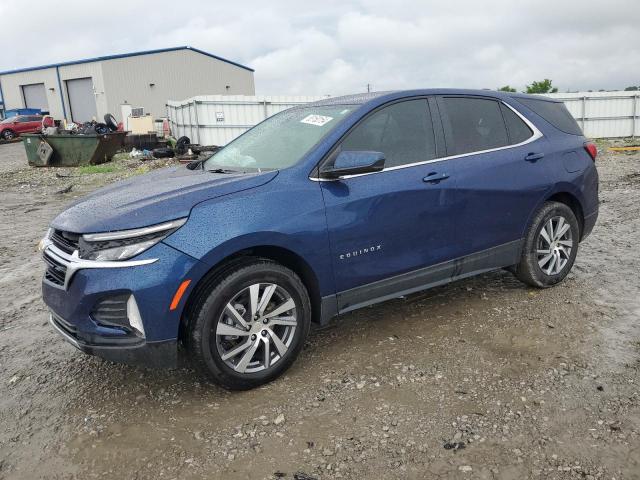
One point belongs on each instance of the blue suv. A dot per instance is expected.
(317, 211)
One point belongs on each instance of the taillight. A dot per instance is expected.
(591, 149)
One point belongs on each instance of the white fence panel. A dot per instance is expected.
(604, 114)
(218, 119)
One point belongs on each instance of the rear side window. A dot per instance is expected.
(473, 125)
(516, 128)
(402, 131)
(555, 113)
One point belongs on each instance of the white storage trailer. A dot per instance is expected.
(218, 119)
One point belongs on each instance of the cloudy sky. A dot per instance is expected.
(335, 47)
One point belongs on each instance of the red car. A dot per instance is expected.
(12, 127)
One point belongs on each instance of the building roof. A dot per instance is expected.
(125, 55)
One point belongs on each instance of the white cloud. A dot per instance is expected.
(336, 47)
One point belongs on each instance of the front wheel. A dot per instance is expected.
(550, 246)
(249, 325)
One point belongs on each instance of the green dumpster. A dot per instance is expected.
(73, 150)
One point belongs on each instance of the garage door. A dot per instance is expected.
(81, 99)
(35, 96)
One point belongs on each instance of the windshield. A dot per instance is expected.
(281, 140)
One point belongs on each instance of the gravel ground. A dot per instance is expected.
(483, 378)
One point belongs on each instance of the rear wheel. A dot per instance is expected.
(551, 246)
(249, 326)
(8, 135)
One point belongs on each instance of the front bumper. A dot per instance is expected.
(152, 284)
(162, 354)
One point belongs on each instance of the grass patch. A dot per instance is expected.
(120, 157)
(91, 169)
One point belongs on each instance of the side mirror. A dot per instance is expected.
(354, 163)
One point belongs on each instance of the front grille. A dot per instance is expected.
(65, 241)
(55, 272)
(112, 312)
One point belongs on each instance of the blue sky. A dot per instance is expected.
(336, 47)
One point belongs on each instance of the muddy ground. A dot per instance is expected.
(484, 378)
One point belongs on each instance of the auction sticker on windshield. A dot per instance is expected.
(317, 120)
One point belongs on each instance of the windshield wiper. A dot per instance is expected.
(223, 170)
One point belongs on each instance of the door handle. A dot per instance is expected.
(533, 157)
(435, 177)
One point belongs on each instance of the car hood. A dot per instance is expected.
(152, 198)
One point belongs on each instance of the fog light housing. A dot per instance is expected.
(120, 311)
(133, 314)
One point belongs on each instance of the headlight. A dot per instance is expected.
(43, 243)
(113, 246)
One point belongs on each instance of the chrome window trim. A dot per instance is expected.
(136, 232)
(537, 134)
(73, 262)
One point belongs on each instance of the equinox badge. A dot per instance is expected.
(362, 251)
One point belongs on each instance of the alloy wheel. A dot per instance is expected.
(256, 327)
(554, 245)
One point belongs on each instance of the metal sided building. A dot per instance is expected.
(84, 89)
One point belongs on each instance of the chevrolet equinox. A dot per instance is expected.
(317, 211)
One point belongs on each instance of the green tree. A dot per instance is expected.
(506, 88)
(543, 86)
(631, 89)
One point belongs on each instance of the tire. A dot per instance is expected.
(184, 141)
(111, 122)
(163, 153)
(8, 135)
(545, 263)
(211, 337)
(181, 148)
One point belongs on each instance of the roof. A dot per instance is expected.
(125, 55)
(355, 99)
(381, 97)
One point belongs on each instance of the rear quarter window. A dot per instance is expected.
(517, 129)
(555, 113)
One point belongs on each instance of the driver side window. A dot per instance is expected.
(403, 132)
